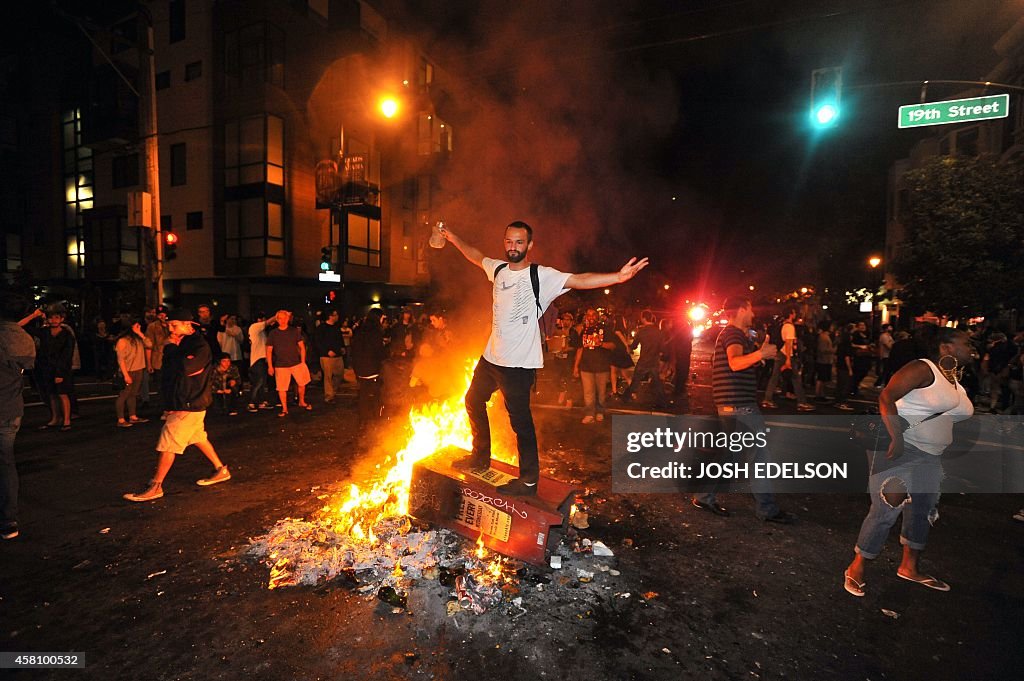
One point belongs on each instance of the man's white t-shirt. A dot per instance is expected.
(515, 332)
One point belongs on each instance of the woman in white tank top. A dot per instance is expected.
(919, 406)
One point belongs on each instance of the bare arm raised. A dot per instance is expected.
(472, 254)
(590, 280)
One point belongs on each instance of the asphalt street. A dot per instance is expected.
(165, 590)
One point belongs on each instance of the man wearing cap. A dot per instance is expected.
(186, 388)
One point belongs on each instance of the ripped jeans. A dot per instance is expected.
(912, 483)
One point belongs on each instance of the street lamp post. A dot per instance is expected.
(873, 262)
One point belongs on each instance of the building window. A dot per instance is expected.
(112, 242)
(254, 151)
(193, 70)
(363, 241)
(255, 228)
(78, 188)
(124, 171)
(163, 80)
(194, 220)
(179, 172)
(254, 54)
(177, 21)
(433, 135)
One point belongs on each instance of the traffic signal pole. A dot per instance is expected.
(147, 111)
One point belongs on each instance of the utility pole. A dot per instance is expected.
(147, 119)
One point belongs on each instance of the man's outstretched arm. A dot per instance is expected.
(473, 255)
(599, 280)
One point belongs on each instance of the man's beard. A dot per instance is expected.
(515, 256)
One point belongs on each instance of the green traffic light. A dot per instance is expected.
(325, 266)
(826, 115)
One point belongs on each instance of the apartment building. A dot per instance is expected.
(272, 148)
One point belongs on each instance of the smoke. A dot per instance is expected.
(552, 127)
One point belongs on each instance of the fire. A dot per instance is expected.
(434, 426)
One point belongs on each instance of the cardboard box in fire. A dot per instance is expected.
(527, 528)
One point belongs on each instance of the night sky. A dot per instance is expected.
(707, 102)
(678, 130)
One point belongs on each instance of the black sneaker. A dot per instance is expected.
(252, 409)
(9, 532)
(517, 488)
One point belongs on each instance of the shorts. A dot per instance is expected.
(181, 429)
(823, 372)
(283, 376)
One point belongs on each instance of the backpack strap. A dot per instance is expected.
(535, 281)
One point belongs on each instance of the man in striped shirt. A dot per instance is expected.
(734, 387)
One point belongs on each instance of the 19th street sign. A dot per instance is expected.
(954, 111)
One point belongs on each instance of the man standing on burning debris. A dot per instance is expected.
(521, 293)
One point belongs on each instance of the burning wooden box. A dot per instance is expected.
(522, 527)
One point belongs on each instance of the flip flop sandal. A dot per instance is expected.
(928, 581)
(852, 586)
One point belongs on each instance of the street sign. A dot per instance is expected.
(330, 276)
(954, 111)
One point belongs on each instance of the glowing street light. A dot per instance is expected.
(751, 287)
(874, 261)
(698, 313)
(607, 291)
(803, 289)
(389, 107)
(667, 287)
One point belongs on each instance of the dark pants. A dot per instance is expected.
(642, 373)
(258, 375)
(369, 398)
(515, 385)
(842, 382)
(8, 473)
(682, 374)
(861, 368)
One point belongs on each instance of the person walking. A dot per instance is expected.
(787, 362)
(520, 293)
(368, 354)
(918, 407)
(650, 341)
(187, 392)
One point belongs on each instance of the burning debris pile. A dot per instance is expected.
(367, 536)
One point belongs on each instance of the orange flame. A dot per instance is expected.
(434, 426)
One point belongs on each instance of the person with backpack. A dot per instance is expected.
(186, 388)
(521, 292)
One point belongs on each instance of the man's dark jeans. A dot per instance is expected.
(258, 376)
(515, 385)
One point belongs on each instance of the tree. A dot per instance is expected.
(964, 244)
